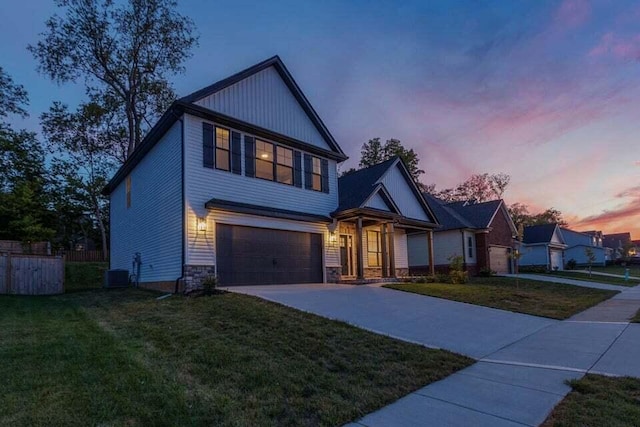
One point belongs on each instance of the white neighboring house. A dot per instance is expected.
(239, 180)
(578, 242)
(543, 245)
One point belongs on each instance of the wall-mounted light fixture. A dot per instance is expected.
(333, 238)
(202, 224)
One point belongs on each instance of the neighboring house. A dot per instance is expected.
(378, 203)
(239, 180)
(578, 242)
(481, 233)
(617, 243)
(543, 245)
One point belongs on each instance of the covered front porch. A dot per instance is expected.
(373, 244)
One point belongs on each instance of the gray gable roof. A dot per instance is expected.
(356, 187)
(478, 214)
(539, 233)
(448, 218)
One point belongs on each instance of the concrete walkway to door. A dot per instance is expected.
(523, 364)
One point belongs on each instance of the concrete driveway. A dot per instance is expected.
(463, 328)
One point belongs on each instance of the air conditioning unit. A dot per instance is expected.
(116, 278)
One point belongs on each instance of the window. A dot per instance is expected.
(128, 191)
(222, 149)
(470, 246)
(316, 174)
(374, 249)
(264, 160)
(284, 166)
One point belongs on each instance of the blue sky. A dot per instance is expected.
(544, 91)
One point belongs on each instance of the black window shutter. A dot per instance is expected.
(297, 169)
(207, 145)
(308, 182)
(249, 156)
(325, 175)
(236, 157)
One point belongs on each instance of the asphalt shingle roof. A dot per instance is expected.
(447, 217)
(478, 214)
(538, 233)
(355, 187)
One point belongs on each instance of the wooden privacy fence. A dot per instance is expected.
(31, 274)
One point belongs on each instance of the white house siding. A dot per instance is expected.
(203, 184)
(534, 255)
(153, 223)
(418, 249)
(445, 245)
(577, 253)
(402, 195)
(263, 99)
(376, 202)
(557, 238)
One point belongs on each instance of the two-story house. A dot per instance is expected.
(239, 180)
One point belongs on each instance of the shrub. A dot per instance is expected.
(441, 278)
(457, 275)
(209, 285)
(571, 264)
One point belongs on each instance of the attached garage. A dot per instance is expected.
(499, 260)
(556, 259)
(262, 256)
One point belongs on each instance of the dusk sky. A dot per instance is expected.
(547, 92)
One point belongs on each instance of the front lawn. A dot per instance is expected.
(121, 357)
(546, 299)
(634, 270)
(597, 400)
(584, 276)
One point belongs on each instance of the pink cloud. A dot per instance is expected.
(623, 218)
(618, 47)
(573, 13)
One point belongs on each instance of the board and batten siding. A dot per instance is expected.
(418, 249)
(263, 99)
(376, 202)
(403, 195)
(203, 184)
(153, 223)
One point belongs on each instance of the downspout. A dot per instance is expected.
(183, 255)
(464, 252)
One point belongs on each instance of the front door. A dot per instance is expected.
(346, 254)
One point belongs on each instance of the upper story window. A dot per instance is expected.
(264, 160)
(128, 185)
(284, 165)
(374, 249)
(470, 246)
(223, 157)
(316, 174)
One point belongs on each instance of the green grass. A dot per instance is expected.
(545, 299)
(83, 275)
(121, 357)
(579, 275)
(634, 270)
(599, 401)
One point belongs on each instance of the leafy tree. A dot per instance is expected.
(81, 142)
(13, 97)
(549, 216)
(374, 152)
(124, 51)
(591, 258)
(520, 215)
(478, 187)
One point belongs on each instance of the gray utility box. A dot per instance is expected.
(116, 278)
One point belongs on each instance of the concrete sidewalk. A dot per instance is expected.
(567, 281)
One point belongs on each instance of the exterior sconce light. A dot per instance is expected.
(333, 238)
(202, 224)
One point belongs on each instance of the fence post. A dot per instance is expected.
(8, 274)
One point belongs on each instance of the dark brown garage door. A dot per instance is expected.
(260, 256)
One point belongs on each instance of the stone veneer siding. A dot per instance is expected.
(193, 275)
(333, 274)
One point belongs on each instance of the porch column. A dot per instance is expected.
(392, 254)
(359, 254)
(383, 248)
(432, 267)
